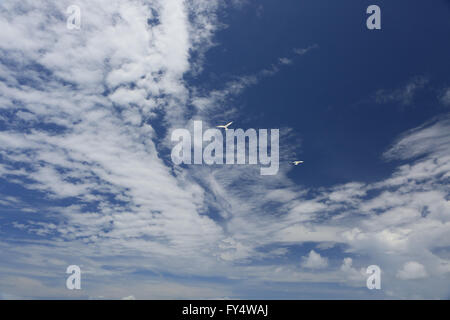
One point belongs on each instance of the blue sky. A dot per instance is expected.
(86, 177)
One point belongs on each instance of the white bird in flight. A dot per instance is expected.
(225, 126)
(296, 163)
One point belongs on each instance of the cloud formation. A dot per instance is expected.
(314, 261)
(85, 117)
(446, 97)
(403, 95)
(412, 270)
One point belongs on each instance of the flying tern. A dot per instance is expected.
(225, 126)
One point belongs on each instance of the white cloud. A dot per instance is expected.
(431, 138)
(303, 51)
(351, 274)
(314, 261)
(105, 152)
(405, 95)
(412, 270)
(102, 88)
(446, 97)
(285, 61)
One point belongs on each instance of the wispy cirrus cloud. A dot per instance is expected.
(445, 98)
(302, 51)
(403, 95)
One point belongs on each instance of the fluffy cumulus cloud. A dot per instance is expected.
(412, 270)
(314, 261)
(85, 116)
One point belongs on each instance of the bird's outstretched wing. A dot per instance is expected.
(225, 126)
